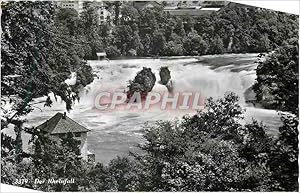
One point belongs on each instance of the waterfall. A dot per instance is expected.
(115, 132)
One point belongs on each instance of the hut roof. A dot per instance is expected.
(60, 123)
(101, 54)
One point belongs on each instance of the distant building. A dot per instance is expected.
(59, 125)
(101, 55)
(102, 11)
(243, 6)
(191, 11)
(145, 4)
(194, 8)
(104, 14)
(77, 5)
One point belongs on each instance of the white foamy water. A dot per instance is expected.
(117, 132)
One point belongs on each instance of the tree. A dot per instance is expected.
(263, 43)
(168, 29)
(125, 174)
(137, 44)
(194, 44)
(284, 157)
(158, 43)
(90, 24)
(188, 23)
(112, 51)
(147, 22)
(173, 49)
(217, 46)
(89, 17)
(277, 78)
(206, 152)
(98, 179)
(124, 39)
(146, 41)
(179, 27)
(36, 59)
(70, 19)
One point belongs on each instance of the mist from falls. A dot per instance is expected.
(117, 132)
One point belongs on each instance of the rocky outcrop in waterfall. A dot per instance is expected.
(165, 75)
(142, 83)
(165, 78)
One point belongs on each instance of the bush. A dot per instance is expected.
(173, 49)
(112, 51)
(132, 52)
(284, 156)
(207, 152)
(277, 78)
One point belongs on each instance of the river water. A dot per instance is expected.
(118, 132)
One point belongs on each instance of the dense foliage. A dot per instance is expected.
(154, 32)
(277, 84)
(36, 59)
(210, 151)
(213, 151)
(277, 87)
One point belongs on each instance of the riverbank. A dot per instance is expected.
(181, 57)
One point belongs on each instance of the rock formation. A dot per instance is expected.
(165, 75)
(142, 83)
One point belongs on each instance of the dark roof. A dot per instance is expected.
(143, 4)
(59, 124)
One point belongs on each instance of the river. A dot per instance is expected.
(118, 132)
